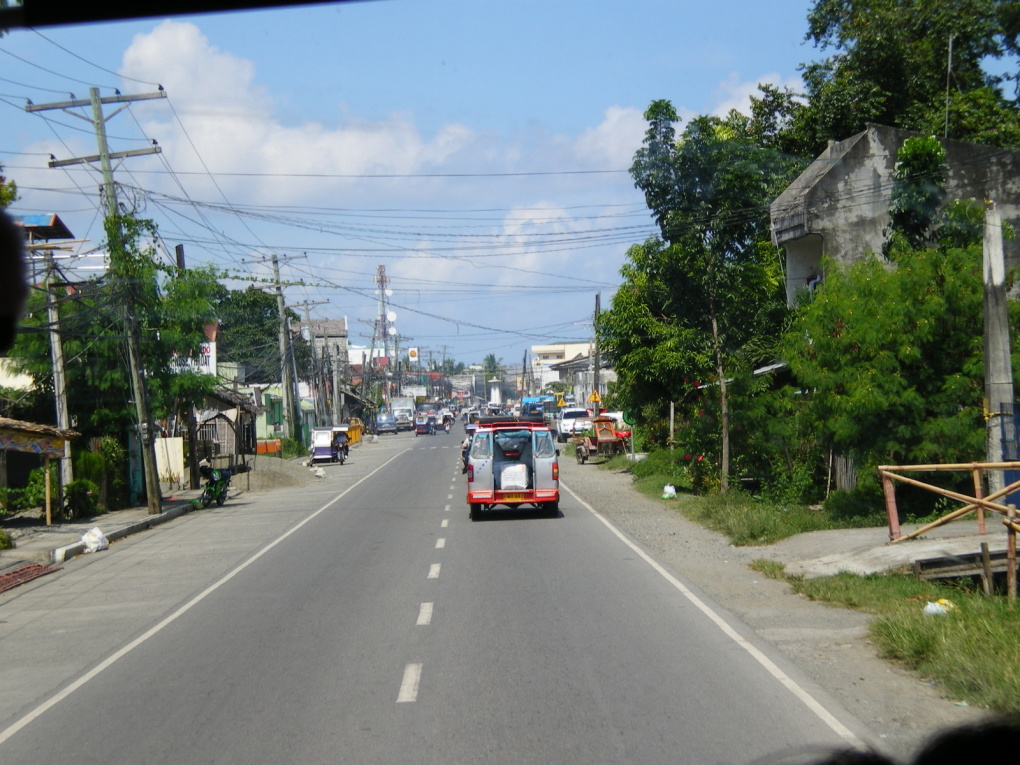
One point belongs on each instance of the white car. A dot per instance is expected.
(571, 419)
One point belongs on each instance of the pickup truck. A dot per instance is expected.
(572, 419)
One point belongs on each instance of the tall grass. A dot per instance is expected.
(972, 651)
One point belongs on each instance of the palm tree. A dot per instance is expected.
(492, 367)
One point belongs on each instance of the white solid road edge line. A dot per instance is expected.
(770, 666)
(409, 685)
(115, 657)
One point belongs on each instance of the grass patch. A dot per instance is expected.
(746, 520)
(771, 569)
(972, 652)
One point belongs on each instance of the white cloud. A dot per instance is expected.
(613, 141)
(734, 93)
(232, 125)
(229, 125)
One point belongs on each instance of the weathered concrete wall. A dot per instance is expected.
(839, 206)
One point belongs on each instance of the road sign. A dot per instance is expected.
(595, 398)
(629, 417)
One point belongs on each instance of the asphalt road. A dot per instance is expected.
(366, 619)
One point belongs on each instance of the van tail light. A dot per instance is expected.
(556, 470)
(471, 473)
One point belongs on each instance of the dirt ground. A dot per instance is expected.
(831, 645)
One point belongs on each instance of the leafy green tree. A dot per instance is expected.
(249, 322)
(8, 191)
(893, 358)
(889, 65)
(704, 299)
(919, 179)
(169, 312)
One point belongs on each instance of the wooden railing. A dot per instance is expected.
(978, 503)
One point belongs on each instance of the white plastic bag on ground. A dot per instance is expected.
(940, 607)
(94, 540)
(669, 491)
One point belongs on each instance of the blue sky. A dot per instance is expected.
(477, 149)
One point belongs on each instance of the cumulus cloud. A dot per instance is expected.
(735, 94)
(614, 140)
(227, 123)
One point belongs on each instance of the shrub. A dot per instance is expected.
(81, 500)
(859, 507)
(6, 543)
(291, 447)
(9, 499)
(34, 495)
(90, 466)
(668, 465)
(115, 488)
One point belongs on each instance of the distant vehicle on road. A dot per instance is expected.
(329, 445)
(572, 420)
(385, 423)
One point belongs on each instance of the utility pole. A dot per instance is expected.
(526, 388)
(285, 368)
(316, 371)
(118, 257)
(1000, 428)
(59, 378)
(598, 361)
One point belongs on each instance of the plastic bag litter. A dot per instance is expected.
(939, 607)
(669, 491)
(94, 540)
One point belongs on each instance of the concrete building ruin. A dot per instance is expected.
(839, 206)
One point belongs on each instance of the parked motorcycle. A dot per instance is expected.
(216, 486)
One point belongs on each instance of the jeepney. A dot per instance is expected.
(512, 463)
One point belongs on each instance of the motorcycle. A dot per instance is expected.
(216, 486)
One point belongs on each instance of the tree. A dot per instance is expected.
(919, 180)
(890, 65)
(709, 294)
(492, 367)
(893, 358)
(171, 308)
(249, 334)
(8, 191)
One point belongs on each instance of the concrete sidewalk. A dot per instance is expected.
(52, 545)
(868, 551)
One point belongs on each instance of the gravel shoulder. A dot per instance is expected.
(829, 644)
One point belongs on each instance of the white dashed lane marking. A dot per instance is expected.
(424, 615)
(434, 571)
(409, 685)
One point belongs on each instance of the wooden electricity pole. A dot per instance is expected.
(118, 257)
